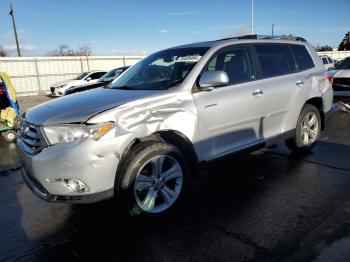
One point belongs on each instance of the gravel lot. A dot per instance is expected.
(26, 102)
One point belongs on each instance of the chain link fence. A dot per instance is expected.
(34, 75)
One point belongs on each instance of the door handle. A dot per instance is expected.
(258, 93)
(300, 83)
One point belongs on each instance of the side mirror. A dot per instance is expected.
(211, 79)
(88, 78)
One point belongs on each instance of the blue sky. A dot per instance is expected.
(140, 26)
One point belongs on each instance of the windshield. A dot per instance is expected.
(111, 75)
(161, 70)
(345, 64)
(81, 76)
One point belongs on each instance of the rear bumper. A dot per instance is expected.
(40, 191)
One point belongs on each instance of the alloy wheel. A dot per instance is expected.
(158, 184)
(309, 128)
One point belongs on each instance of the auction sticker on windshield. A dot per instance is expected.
(189, 58)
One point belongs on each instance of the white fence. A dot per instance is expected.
(336, 54)
(33, 75)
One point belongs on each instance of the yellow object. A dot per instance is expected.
(8, 115)
(11, 90)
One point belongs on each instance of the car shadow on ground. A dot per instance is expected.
(195, 230)
(220, 219)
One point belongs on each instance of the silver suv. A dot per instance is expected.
(142, 137)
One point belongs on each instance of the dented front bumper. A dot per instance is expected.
(92, 162)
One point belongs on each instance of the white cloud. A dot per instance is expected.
(182, 13)
(26, 47)
(163, 30)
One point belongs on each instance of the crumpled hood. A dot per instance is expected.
(79, 107)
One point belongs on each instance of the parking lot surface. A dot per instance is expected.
(269, 205)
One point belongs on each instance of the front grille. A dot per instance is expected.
(341, 84)
(32, 140)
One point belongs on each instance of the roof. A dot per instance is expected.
(238, 38)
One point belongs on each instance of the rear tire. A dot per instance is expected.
(10, 135)
(307, 131)
(151, 179)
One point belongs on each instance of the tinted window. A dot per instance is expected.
(330, 60)
(293, 66)
(302, 56)
(111, 75)
(324, 60)
(81, 76)
(96, 75)
(272, 59)
(235, 62)
(345, 64)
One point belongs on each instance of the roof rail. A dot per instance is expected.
(282, 37)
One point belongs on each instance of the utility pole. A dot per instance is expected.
(14, 29)
(252, 17)
(272, 30)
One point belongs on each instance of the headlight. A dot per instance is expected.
(60, 86)
(70, 133)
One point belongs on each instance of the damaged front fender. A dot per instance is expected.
(142, 118)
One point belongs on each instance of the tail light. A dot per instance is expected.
(330, 79)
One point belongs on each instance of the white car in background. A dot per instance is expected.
(57, 89)
(341, 80)
(328, 63)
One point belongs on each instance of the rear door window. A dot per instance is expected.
(324, 60)
(302, 56)
(273, 60)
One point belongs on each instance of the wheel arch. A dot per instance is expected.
(318, 103)
(177, 139)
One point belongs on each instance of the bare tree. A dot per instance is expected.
(2, 52)
(84, 50)
(65, 50)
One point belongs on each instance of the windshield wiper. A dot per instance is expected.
(121, 87)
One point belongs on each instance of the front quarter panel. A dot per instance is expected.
(173, 110)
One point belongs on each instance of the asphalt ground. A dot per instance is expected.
(269, 205)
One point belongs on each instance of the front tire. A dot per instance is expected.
(152, 178)
(307, 131)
